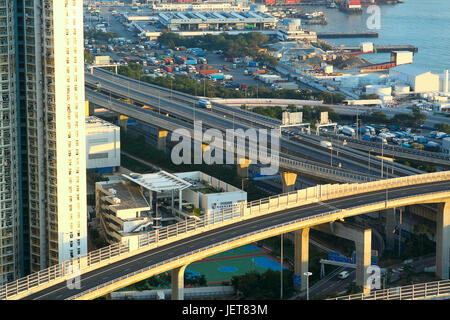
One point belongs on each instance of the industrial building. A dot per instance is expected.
(193, 21)
(133, 204)
(419, 80)
(102, 145)
(291, 30)
(43, 180)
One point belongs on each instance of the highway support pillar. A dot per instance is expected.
(123, 120)
(178, 283)
(242, 167)
(363, 259)
(162, 135)
(390, 227)
(288, 180)
(363, 244)
(443, 240)
(301, 258)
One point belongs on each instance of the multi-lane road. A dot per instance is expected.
(225, 117)
(174, 249)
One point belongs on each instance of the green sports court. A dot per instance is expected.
(222, 267)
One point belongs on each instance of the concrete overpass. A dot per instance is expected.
(436, 290)
(180, 105)
(389, 150)
(176, 246)
(325, 172)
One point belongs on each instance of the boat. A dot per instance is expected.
(351, 7)
(332, 5)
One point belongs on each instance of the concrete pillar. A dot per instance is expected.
(390, 225)
(363, 259)
(162, 134)
(363, 244)
(123, 120)
(242, 167)
(178, 283)
(288, 180)
(301, 257)
(443, 240)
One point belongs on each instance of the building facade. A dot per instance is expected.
(102, 145)
(43, 143)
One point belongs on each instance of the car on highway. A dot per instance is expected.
(343, 275)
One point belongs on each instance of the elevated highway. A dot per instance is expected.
(225, 117)
(325, 172)
(176, 246)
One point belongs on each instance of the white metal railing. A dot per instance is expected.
(420, 291)
(215, 219)
(178, 258)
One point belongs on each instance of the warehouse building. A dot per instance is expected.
(193, 21)
(419, 80)
(102, 145)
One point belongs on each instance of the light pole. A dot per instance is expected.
(307, 274)
(382, 157)
(281, 269)
(371, 150)
(331, 156)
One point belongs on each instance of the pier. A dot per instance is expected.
(334, 35)
(406, 47)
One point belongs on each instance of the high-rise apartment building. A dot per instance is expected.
(42, 144)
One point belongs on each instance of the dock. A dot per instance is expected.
(335, 35)
(406, 47)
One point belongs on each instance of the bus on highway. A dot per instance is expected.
(204, 103)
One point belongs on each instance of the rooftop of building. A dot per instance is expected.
(410, 69)
(159, 181)
(213, 15)
(93, 122)
(129, 195)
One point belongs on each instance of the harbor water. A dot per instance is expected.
(424, 24)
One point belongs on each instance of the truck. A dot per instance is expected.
(420, 139)
(285, 85)
(204, 103)
(202, 60)
(432, 146)
(379, 139)
(326, 144)
(349, 131)
(216, 76)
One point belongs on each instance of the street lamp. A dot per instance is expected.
(307, 274)
(281, 268)
(371, 150)
(331, 156)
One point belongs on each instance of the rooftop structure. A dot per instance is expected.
(205, 20)
(420, 80)
(137, 203)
